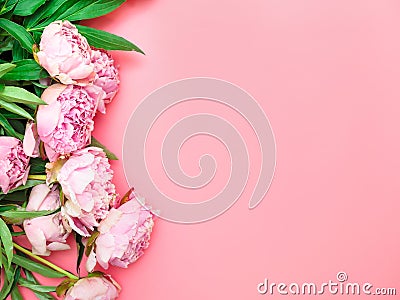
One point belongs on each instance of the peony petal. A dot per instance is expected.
(8, 142)
(80, 179)
(31, 140)
(25, 178)
(113, 217)
(91, 261)
(50, 153)
(81, 72)
(72, 209)
(38, 194)
(36, 238)
(48, 117)
(4, 183)
(104, 249)
(57, 246)
(51, 94)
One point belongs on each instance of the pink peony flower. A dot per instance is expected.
(45, 233)
(123, 235)
(85, 178)
(106, 76)
(65, 54)
(66, 123)
(31, 140)
(14, 164)
(90, 288)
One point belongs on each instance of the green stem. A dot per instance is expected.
(45, 262)
(37, 177)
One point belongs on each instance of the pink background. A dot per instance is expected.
(326, 73)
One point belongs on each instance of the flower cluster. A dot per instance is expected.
(77, 191)
(88, 79)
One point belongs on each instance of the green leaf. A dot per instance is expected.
(39, 295)
(15, 294)
(2, 258)
(8, 283)
(18, 32)
(96, 143)
(43, 296)
(21, 214)
(17, 51)
(4, 68)
(107, 41)
(8, 128)
(44, 11)
(18, 125)
(29, 276)
(6, 240)
(8, 6)
(14, 108)
(39, 91)
(38, 166)
(36, 287)
(27, 7)
(17, 275)
(8, 15)
(18, 197)
(7, 207)
(10, 115)
(26, 69)
(7, 44)
(89, 9)
(20, 95)
(35, 267)
(29, 183)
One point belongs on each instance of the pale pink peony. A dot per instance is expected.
(106, 76)
(14, 164)
(45, 233)
(85, 178)
(65, 54)
(31, 140)
(66, 123)
(93, 288)
(123, 235)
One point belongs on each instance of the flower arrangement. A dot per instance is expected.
(55, 178)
